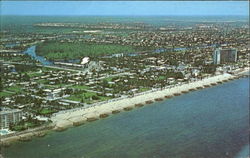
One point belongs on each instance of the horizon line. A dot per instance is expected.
(123, 15)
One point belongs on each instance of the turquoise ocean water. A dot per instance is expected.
(210, 123)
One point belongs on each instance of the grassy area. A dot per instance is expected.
(88, 97)
(16, 59)
(162, 77)
(43, 81)
(15, 89)
(59, 50)
(104, 98)
(34, 74)
(77, 97)
(25, 125)
(25, 68)
(19, 128)
(85, 96)
(60, 85)
(144, 89)
(46, 111)
(48, 69)
(109, 79)
(55, 69)
(5, 94)
(81, 87)
(12, 58)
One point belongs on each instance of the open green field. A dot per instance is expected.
(86, 97)
(5, 94)
(15, 89)
(144, 89)
(109, 79)
(62, 50)
(81, 87)
(161, 77)
(46, 111)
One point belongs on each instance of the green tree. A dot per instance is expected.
(105, 83)
(26, 77)
(1, 84)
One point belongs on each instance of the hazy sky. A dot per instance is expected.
(124, 8)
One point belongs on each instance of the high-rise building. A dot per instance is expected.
(226, 55)
(9, 116)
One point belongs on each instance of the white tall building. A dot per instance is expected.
(9, 116)
(227, 55)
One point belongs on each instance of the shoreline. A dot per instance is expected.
(79, 116)
(68, 118)
(26, 135)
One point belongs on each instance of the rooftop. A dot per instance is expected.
(8, 111)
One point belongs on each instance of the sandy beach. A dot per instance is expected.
(78, 116)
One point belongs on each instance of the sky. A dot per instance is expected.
(124, 8)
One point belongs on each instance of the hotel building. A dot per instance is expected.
(8, 116)
(222, 56)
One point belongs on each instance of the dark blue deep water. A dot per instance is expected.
(210, 123)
